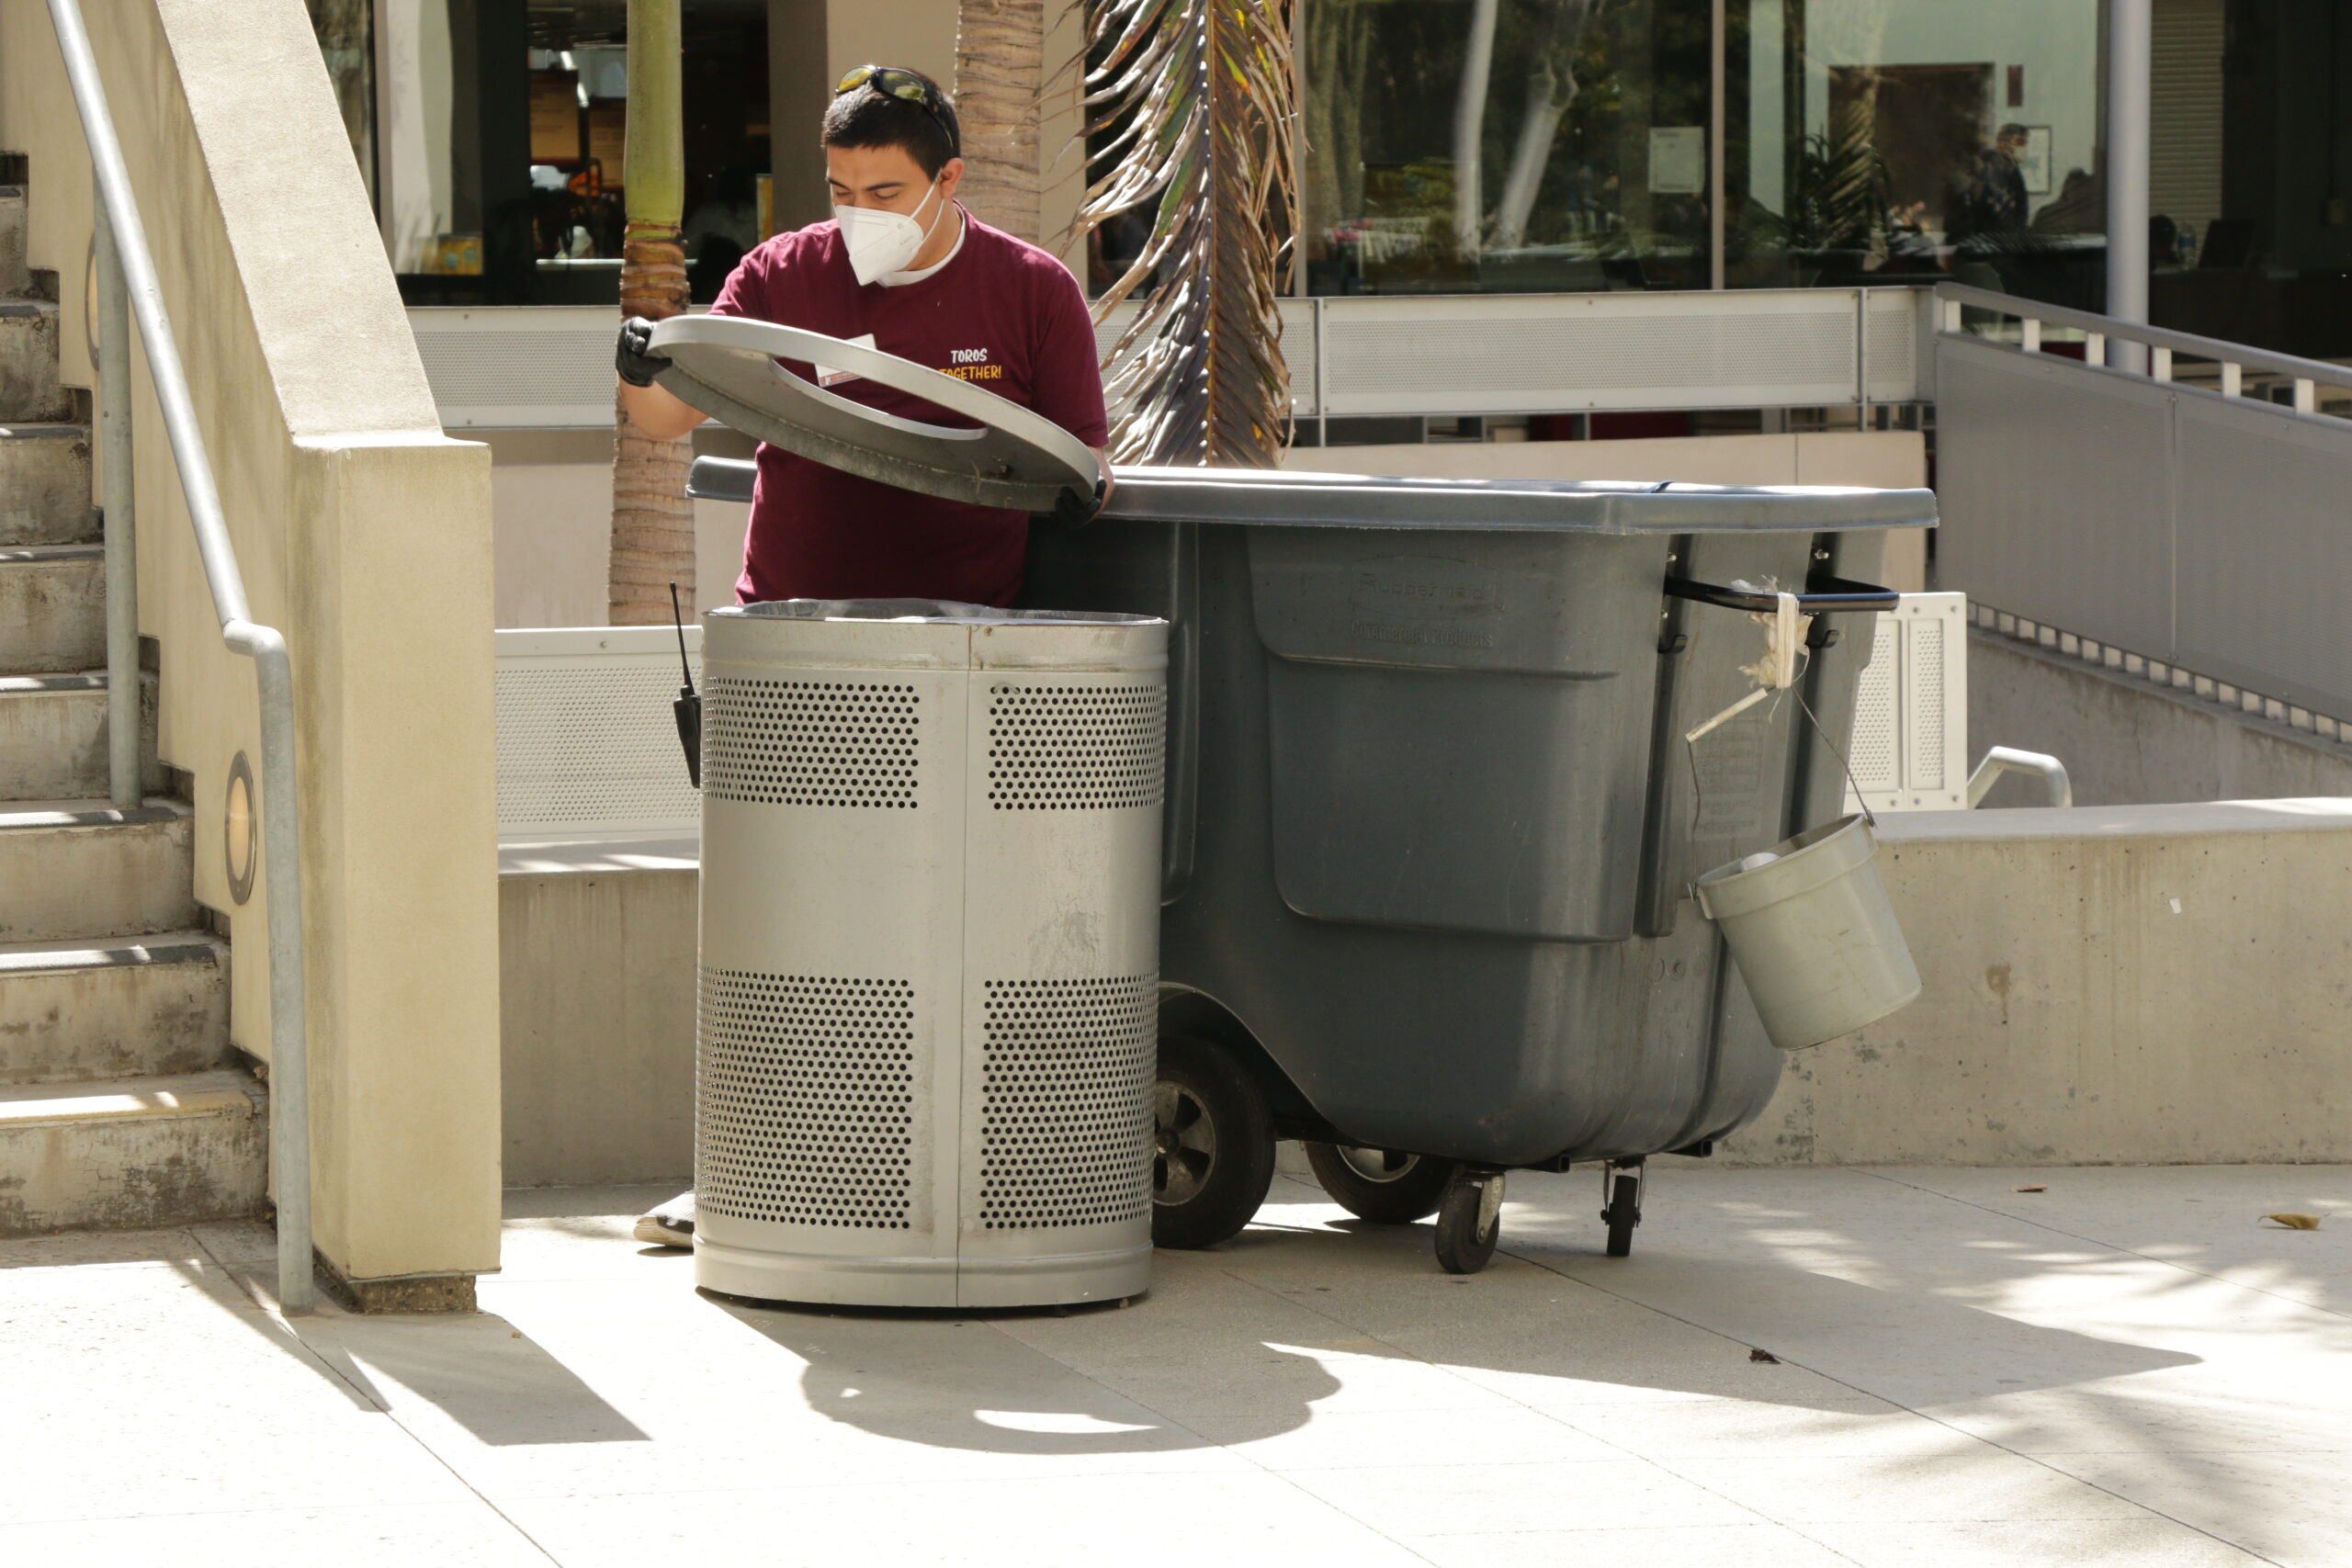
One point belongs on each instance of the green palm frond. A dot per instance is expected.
(1193, 103)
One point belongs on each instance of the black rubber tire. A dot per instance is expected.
(1208, 1185)
(1412, 1194)
(1624, 1213)
(1460, 1248)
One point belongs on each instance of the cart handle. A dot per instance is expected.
(1823, 596)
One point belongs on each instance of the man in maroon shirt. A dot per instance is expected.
(905, 269)
(901, 269)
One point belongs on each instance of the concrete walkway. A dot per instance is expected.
(2126, 1369)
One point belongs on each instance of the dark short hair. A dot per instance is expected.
(865, 117)
(2011, 130)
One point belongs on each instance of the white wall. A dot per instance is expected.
(362, 534)
(552, 496)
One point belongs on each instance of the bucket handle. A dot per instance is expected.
(1868, 815)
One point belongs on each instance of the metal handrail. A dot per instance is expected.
(2056, 786)
(2233, 357)
(128, 289)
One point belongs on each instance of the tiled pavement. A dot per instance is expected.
(2128, 1369)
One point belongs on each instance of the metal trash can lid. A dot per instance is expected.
(931, 634)
(942, 612)
(726, 366)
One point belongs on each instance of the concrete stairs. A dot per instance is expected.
(122, 1102)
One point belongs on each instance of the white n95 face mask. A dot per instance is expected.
(883, 242)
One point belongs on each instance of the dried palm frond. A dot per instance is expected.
(1195, 104)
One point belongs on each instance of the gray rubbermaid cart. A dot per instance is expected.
(1431, 822)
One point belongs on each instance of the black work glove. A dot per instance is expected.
(1072, 510)
(636, 365)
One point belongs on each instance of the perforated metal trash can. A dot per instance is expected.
(930, 952)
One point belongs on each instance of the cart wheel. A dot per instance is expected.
(1213, 1157)
(1382, 1185)
(1624, 1213)
(1469, 1221)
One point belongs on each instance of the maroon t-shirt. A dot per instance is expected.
(1003, 314)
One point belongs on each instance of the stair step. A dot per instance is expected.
(53, 607)
(45, 485)
(30, 390)
(82, 870)
(53, 736)
(122, 1007)
(132, 1152)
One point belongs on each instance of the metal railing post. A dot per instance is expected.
(289, 1063)
(281, 795)
(125, 730)
(1862, 357)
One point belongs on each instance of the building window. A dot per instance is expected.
(1458, 146)
(1905, 140)
(492, 134)
(1461, 146)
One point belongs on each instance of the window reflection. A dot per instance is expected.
(1901, 139)
(495, 133)
(1484, 145)
(1506, 145)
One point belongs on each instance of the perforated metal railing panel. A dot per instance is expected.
(1535, 353)
(1924, 693)
(588, 745)
(1875, 754)
(812, 742)
(1910, 742)
(806, 1099)
(1065, 1101)
(1556, 352)
(1508, 359)
(1077, 748)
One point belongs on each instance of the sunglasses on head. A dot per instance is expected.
(891, 79)
(904, 84)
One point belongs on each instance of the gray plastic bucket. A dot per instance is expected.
(1813, 933)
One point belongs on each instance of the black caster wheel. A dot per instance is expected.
(1623, 1210)
(1213, 1155)
(1382, 1185)
(1469, 1221)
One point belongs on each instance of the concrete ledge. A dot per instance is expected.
(2120, 985)
(2104, 985)
(597, 952)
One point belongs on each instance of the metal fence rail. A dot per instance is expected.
(2189, 526)
(548, 367)
(128, 290)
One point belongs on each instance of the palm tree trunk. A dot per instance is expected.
(1000, 68)
(653, 521)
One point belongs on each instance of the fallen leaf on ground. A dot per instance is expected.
(2028, 1189)
(2296, 1222)
(1766, 1356)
